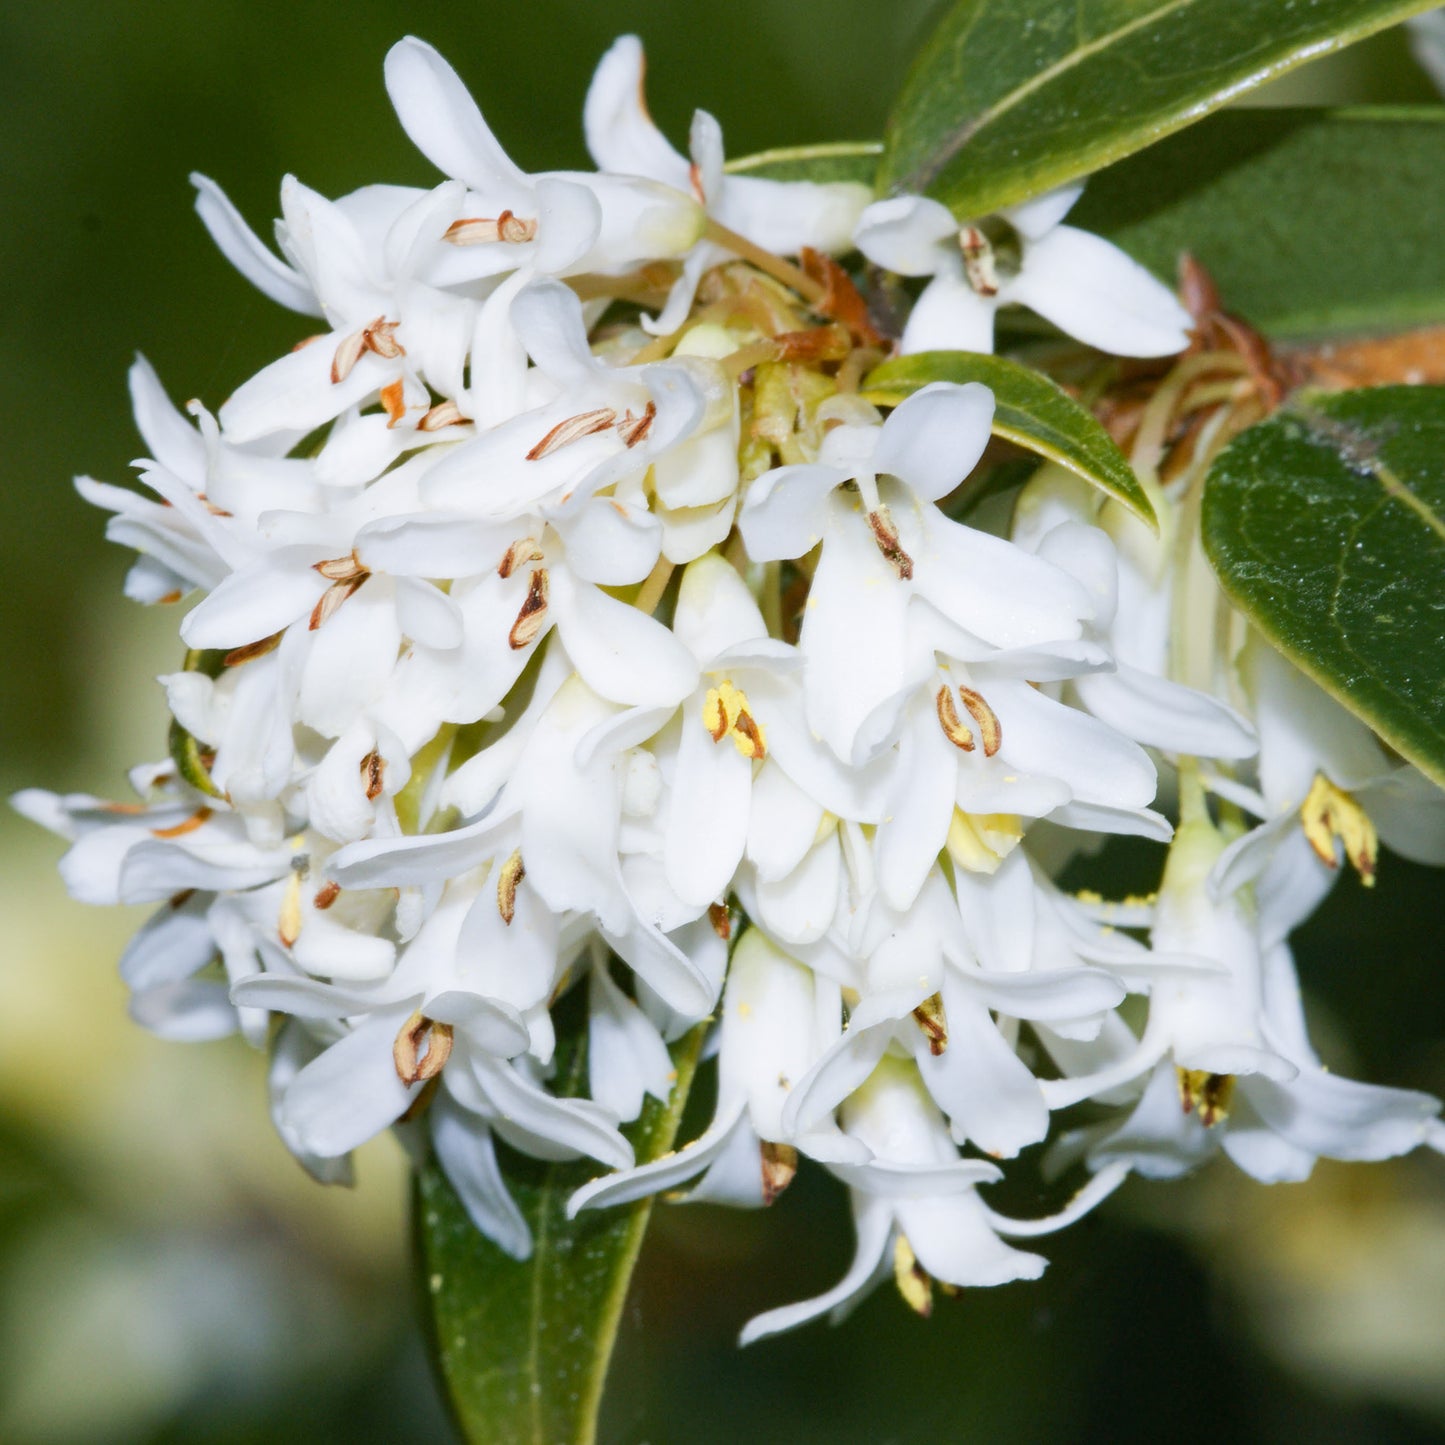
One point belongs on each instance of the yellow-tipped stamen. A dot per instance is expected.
(1329, 813)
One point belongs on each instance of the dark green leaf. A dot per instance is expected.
(1310, 221)
(1029, 410)
(524, 1346)
(1326, 525)
(842, 161)
(1013, 97)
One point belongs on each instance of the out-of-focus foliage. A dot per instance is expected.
(166, 1272)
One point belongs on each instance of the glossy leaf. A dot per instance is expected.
(524, 1345)
(1326, 525)
(1311, 222)
(1013, 97)
(1030, 410)
(839, 161)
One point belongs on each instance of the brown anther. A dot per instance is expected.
(573, 429)
(511, 874)
(172, 596)
(187, 825)
(340, 569)
(478, 230)
(443, 414)
(348, 353)
(308, 341)
(929, 1017)
(978, 263)
(413, 1066)
(954, 728)
(393, 401)
(332, 598)
(841, 299)
(252, 650)
(985, 717)
(179, 900)
(633, 429)
(721, 920)
(694, 181)
(534, 611)
(886, 535)
(373, 769)
(380, 337)
(125, 810)
(326, 895)
(522, 551)
(1205, 1094)
(748, 737)
(780, 1165)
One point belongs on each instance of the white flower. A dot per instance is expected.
(1087, 287)
(779, 216)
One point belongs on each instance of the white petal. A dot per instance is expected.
(464, 1149)
(949, 316)
(173, 441)
(1037, 217)
(906, 234)
(238, 243)
(784, 514)
(1095, 293)
(707, 824)
(954, 1242)
(715, 610)
(935, 437)
(621, 135)
(190, 1010)
(626, 1057)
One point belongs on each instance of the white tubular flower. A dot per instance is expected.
(925, 992)
(780, 216)
(1087, 287)
(1129, 578)
(870, 500)
(777, 1017)
(916, 1208)
(1327, 791)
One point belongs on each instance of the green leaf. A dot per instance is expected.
(1030, 410)
(838, 161)
(1310, 221)
(524, 1345)
(1326, 525)
(1013, 97)
(185, 749)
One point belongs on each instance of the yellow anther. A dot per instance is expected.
(1328, 813)
(725, 711)
(914, 1282)
(288, 925)
(508, 877)
(417, 1031)
(985, 717)
(1205, 1094)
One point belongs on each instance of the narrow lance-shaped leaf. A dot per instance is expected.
(1013, 97)
(524, 1345)
(1030, 410)
(1310, 222)
(834, 161)
(1326, 525)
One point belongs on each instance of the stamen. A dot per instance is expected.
(443, 414)
(188, 825)
(415, 1032)
(985, 717)
(373, 768)
(343, 363)
(1205, 1094)
(512, 873)
(393, 401)
(780, 1165)
(954, 729)
(725, 710)
(341, 569)
(522, 551)
(886, 535)
(1328, 813)
(721, 920)
(237, 655)
(929, 1017)
(914, 1282)
(326, 895)
(573, 429)
(332, 598)
(478, 230)
(978, 261)
(633, 429)
(380, 337)
(288, 924)
(533, 615)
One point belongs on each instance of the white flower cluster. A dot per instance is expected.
(568, 620)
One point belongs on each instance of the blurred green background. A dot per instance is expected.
(166, 1272)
